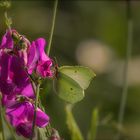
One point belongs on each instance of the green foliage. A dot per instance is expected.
(8, 21)
(6, 4)
(2, 137)
(72, 126)
(94, 123)
(1, 129)
(42, 134)
(72, 81)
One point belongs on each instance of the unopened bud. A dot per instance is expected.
(55, 135)
(15, 36)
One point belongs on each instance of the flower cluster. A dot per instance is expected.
(19, 59)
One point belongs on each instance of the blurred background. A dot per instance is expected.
(91, 33)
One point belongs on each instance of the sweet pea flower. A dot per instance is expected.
(6, 84)
(13, 77)
(32, 55)
(21, 115)
(19, 59)
(26, 92)
(16, 43)
(55, 135)
(14, 80)
(38, 60)
(7, 41)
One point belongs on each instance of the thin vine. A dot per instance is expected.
(126, 67)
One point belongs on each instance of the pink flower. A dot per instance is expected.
(38, 60)
(15, 43)
(32, 55)
(13, 77)
(18, 59)
(21, 115)
(26, 92)
(7, 41)
(14, 80)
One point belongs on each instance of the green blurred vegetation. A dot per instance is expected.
(78, 21)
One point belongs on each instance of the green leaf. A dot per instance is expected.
(94, 123)
(75, 132)
(82, 75)
(72, 81)
(68, 89)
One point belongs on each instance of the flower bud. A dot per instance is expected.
(55, 135)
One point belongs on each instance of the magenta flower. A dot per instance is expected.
(6, 84)
(21, 115)
(32, 55)
(13, 77)
(15, 43)
(18, 59)
(27, 92)
(7, 41)
(38, 60)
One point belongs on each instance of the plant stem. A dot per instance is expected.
(36, 105)
(52, 27)
(10, 128)
(36, 90)
(49, 47)
(126, 67)
(94, 124)
(2, 136)
(8, 22)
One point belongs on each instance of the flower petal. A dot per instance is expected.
(7, 41)
(28, 91)
(33, 57)
(24, 129)
(42, 119)
(16, 113)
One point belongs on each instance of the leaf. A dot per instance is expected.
(94, 123)
(71, 82)
(82, 75)
(68, 89)
(75, 132)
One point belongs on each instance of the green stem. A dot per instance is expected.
(94, 124)
(52, 27)
(48, 129)
(6, 4)
(10, 128)
(8, 22)
(126, 66)
(49, 48)
(2, 136)
(36, 105)
(36, 90)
